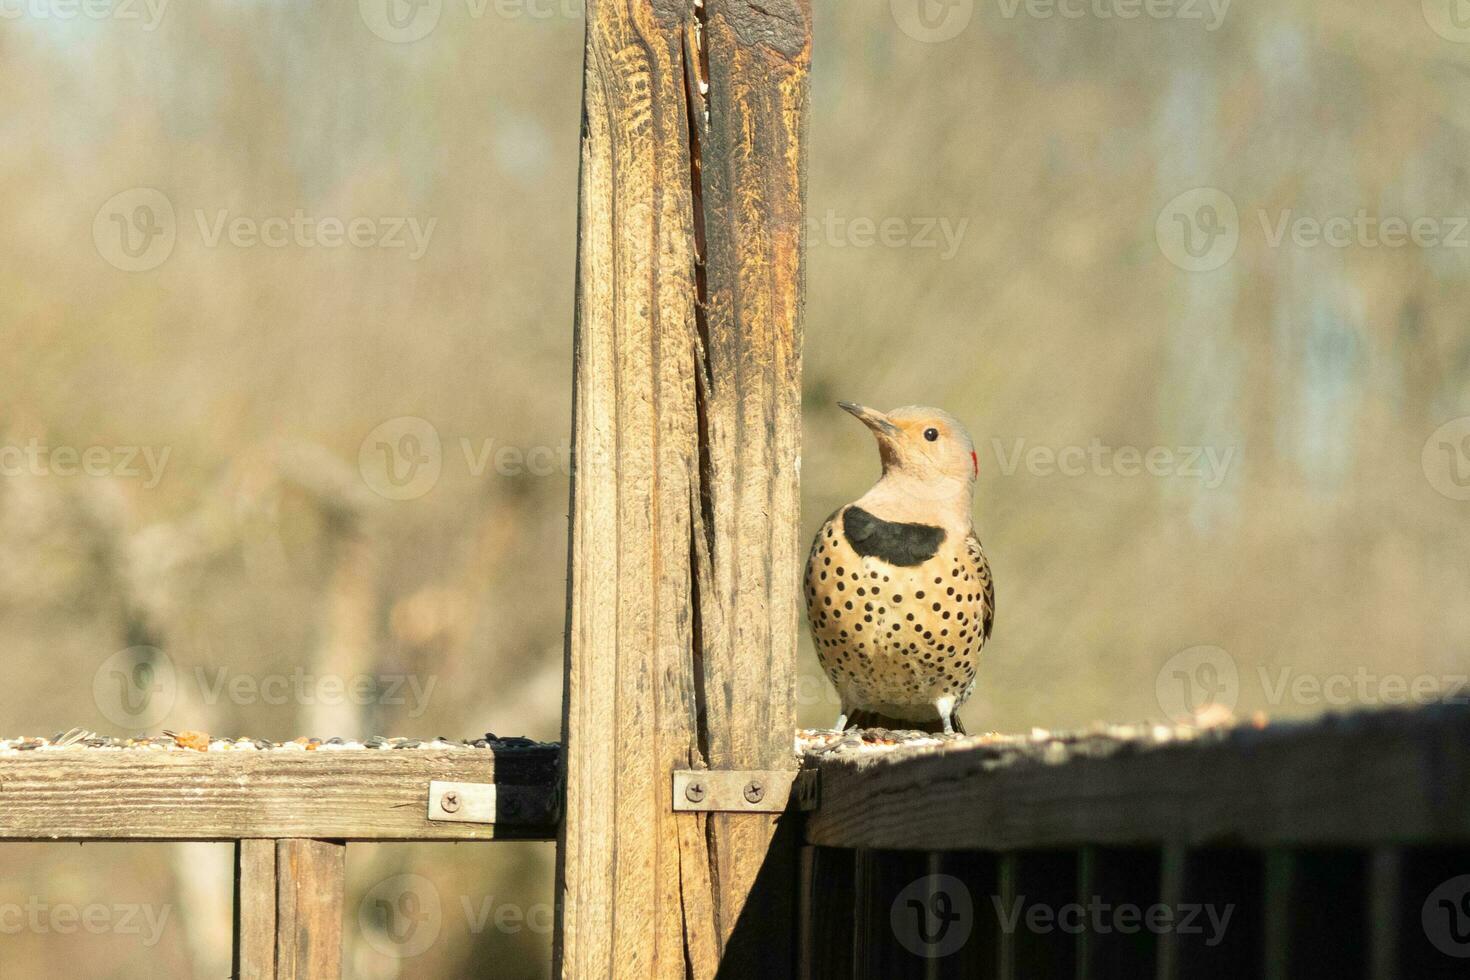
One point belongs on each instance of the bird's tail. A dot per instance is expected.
(872, 719)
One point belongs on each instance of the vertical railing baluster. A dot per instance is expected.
(1280, 873)
(1172, 870)
(1006, 948)
(255, 910)
(310, 895)
(1384, 887)
(827, 913)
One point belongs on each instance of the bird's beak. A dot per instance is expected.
(872, 418)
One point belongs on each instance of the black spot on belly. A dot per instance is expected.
(898, 544)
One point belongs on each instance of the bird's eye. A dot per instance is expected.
(931, 434)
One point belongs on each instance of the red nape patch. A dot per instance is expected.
(974, 459)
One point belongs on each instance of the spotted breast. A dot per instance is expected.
(899, 613)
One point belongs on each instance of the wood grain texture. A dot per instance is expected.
(1371, 778)
(87, 794)
(255, 910)
(310, 890)
(683, 551)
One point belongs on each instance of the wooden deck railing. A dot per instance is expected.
(290, 811)
(1338, 848)
(1333, 849)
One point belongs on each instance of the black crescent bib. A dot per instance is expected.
(905, 545)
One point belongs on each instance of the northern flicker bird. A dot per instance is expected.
(898, 589)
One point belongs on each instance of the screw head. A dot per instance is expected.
(754, 791)
(450, 802)
(694, 792)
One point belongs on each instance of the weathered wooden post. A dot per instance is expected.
(684, 555)
(288, 909)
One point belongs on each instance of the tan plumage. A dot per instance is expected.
(899, 592)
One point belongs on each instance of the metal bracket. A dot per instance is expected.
(462, 802)
(739, 790)
(508, 804)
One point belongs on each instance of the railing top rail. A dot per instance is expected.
(1371, 777)
(153, 791)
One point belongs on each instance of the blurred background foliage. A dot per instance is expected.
(1052, 317)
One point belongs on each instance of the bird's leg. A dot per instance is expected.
(946, 713)
(841, 725)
